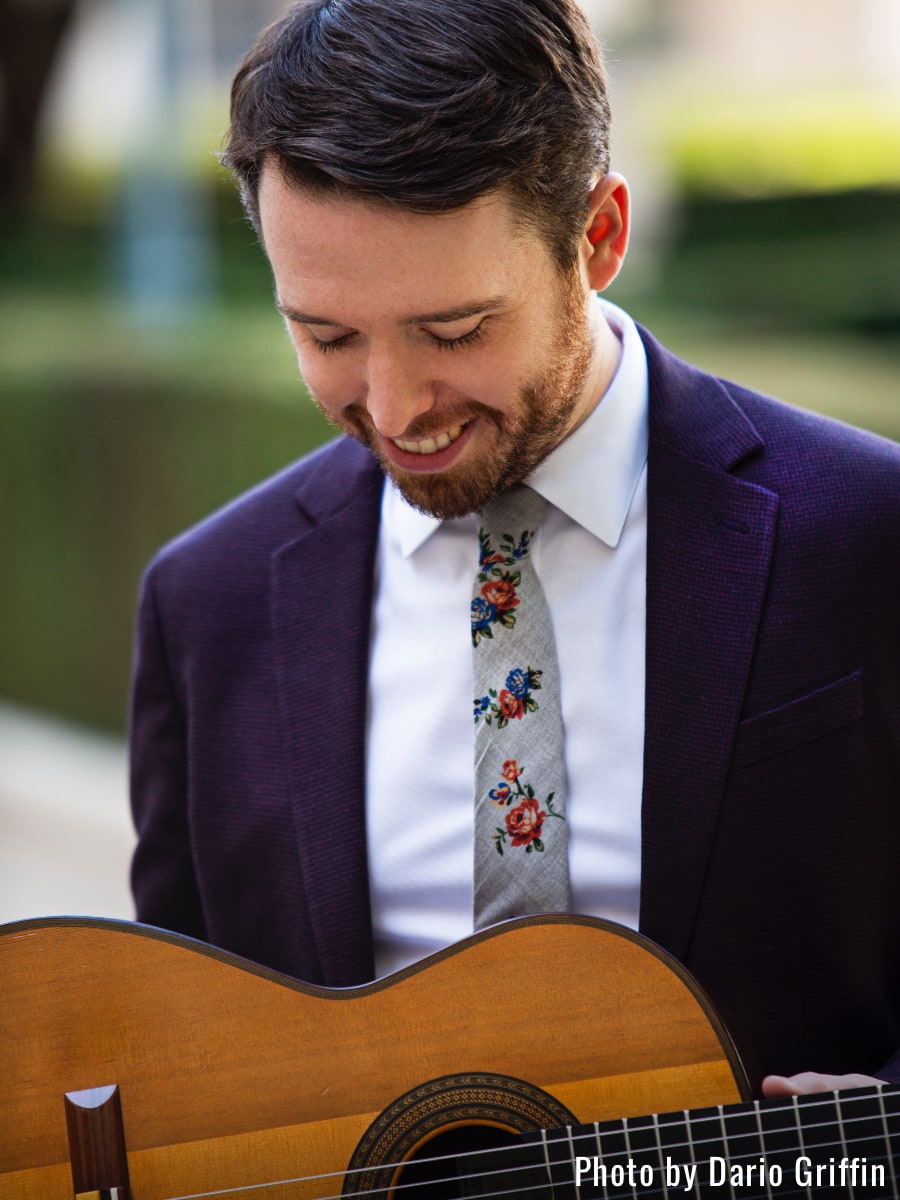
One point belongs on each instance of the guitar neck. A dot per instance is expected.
(838, 1144)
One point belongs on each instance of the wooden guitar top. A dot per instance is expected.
(231, 1075)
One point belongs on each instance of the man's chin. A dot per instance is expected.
(451, 492)
(446, 495)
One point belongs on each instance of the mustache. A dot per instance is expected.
(427, 425)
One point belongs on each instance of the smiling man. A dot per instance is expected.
(451, 345)
(431, 183)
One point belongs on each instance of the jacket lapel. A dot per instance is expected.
(709, 543)
(321, 611)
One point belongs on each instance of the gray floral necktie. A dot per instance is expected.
(521, 852)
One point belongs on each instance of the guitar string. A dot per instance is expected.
(884, 1123)
(565, 1137)
(661, 1189)
(585, 1136)
(728, 1166)
(483, 1175)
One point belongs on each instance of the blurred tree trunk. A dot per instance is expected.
(31, 33)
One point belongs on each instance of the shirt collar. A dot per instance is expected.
(592, 474)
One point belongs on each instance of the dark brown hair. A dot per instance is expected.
(428, 104)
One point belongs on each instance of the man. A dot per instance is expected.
(431, 184)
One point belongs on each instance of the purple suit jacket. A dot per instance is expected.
(771, 809)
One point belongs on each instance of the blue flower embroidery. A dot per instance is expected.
(483, 615)
(512, 702)
(517, 683)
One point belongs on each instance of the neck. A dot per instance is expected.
(605, 363)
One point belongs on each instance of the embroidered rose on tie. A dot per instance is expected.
(512, 702)
(524, 822)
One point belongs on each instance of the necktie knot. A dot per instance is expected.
(518, 508)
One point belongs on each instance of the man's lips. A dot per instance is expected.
(435, 453)
(429, 445)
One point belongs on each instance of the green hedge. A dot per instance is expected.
(97, 473)
(801, 262)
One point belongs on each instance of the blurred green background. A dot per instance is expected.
(145, 378)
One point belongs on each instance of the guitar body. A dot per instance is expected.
(231, 1075)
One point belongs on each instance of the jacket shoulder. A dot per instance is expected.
(763, 440)
(277, 510)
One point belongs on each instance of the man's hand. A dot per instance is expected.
(808, 1082)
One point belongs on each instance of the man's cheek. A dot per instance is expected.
(330, 391)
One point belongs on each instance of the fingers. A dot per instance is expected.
(808, 1082)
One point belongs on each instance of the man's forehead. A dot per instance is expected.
(337, 255)
(276, 181)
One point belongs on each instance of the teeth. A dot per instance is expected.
(430, 445)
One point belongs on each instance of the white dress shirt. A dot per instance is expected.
(590, 554)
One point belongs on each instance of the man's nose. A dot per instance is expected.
(397, 392)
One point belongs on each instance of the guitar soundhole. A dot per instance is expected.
(429, 1139)
(434, 1170)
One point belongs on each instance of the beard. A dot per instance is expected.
(525, 432)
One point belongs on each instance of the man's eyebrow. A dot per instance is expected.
(443, 317)
(448, 315)
(293, 314)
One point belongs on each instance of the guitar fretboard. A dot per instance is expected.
(841, 1144)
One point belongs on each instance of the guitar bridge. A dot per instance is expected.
(97, 1149)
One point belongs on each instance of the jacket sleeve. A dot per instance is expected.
(163, 878)
(891, 1070)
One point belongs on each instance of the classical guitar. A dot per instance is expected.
(138, 1065)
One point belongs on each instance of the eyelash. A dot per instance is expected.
(335, 344)
(457, 343)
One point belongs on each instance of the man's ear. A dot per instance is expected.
(607, 227)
